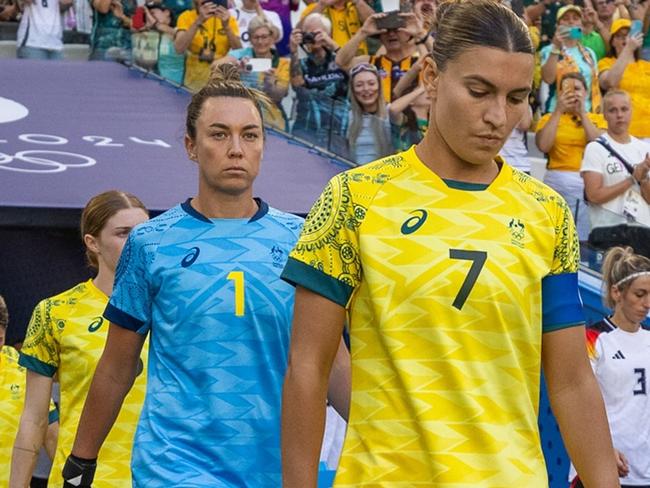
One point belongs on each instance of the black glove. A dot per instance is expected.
(78, 472)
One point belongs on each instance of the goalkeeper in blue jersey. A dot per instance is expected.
(203, 279)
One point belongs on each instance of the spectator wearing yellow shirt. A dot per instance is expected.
(346, 16)
(563, 135)
(205, 33)
(623, 69)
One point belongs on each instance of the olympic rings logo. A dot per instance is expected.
(44, 161)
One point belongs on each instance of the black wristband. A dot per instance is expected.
(78, 472)
(423, 40)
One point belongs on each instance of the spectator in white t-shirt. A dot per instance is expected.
(40, 33)
(616, 196)
(249, 10)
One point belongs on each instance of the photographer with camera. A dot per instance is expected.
(261, 67)
(346, 17)
(205, 33)
(404, 39)
(321, 86)
(567, 54)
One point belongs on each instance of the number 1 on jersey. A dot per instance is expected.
(238, 278)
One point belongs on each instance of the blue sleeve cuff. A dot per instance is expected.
(53, 416)
(123, 319)
(561, 303)
(298, 273)
(36, 365)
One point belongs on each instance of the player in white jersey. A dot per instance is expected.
(619, 349)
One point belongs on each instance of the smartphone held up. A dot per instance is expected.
(218, 3)
(391, 21)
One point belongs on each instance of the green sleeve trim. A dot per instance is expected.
(36, 365)
(53, 416)
(554, 327)
(298, 273)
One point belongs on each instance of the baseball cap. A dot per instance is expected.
(568, 8)
(619, 24)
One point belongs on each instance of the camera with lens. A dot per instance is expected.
(206, 55)
(308, 38)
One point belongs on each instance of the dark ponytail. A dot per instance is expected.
(464, 24)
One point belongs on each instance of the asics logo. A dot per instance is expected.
(190, 257)
(96, 324)
(412, 224)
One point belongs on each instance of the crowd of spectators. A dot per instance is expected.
(345, 76)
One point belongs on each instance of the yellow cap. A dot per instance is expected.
(619, 24)
(568, 8)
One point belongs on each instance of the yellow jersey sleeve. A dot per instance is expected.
(567, 248)
(561, 303)
(327, 253)
(326, 259)
(40, 351)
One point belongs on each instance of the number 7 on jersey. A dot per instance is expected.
(238, 278)
(478, 259)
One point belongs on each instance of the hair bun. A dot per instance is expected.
(224, 73)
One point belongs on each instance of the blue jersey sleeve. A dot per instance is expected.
(561, 303)
(130, 303)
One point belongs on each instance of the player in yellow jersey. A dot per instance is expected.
(66, 337)
(12, 397)
(458, 275)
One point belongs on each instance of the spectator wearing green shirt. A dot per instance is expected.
(594, 33)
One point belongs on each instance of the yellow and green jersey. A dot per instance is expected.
(12, 397)
(448, 287)
(66, 336)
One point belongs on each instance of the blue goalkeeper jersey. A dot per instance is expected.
(209, 293)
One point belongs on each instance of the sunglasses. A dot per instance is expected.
(359, 68)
